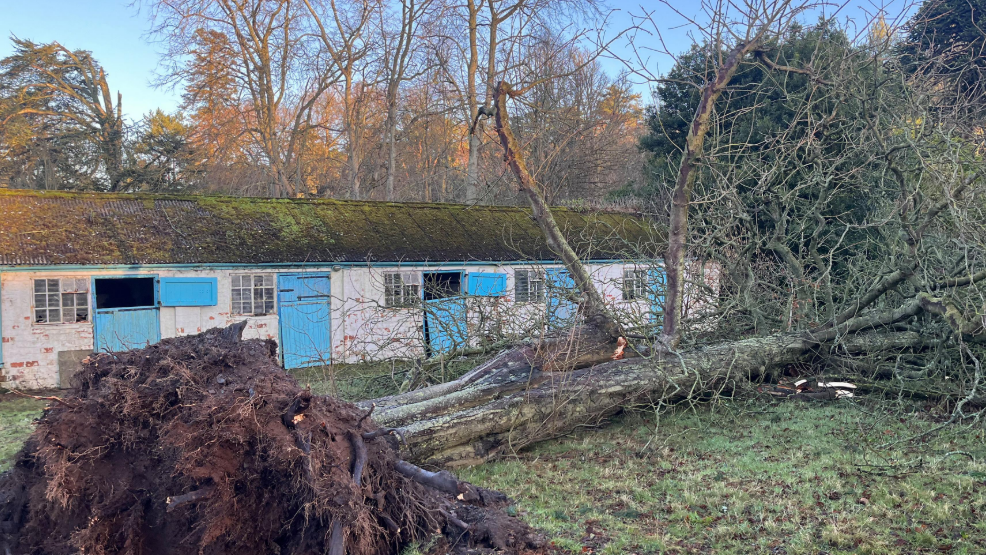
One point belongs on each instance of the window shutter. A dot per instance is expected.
(487, 284)
(189, 291)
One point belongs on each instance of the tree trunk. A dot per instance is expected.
(472, 170)
(472, 103)
(674, 259)
(511, 402)
(391, 150)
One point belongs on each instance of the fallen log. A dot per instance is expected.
(510, 403)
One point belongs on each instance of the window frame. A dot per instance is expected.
(633, 285)
(253, 288)
(539, 297)
(409, 289)
(75, 292)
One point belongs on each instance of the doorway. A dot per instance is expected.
(126, 313)
(304, 303)
(444, 312)
(561, 299)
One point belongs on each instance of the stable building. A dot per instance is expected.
(331, 281)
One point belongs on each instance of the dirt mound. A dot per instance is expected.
(203, 444)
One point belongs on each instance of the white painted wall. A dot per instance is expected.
(362, 327)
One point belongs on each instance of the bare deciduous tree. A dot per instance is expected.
(276, 65)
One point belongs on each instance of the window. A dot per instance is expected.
(401, 289)
(634, 285)
(528, 286)
(253, 294)
(62, 300)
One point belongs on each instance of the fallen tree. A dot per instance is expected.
(510, 402)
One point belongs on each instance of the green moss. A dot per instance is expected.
(97, 228)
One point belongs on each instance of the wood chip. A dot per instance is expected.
(844, 385)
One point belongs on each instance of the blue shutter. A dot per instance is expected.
(656, 285)
(189, 291)
(487, 285)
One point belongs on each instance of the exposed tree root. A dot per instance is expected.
(203, 444)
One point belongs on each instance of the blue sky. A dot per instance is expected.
(111, 29)
(115, 32)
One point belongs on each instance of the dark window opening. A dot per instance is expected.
(124, 292)
(441, 285)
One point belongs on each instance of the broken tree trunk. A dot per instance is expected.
(510, 402)
(596, 313)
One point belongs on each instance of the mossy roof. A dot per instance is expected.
(52, 228)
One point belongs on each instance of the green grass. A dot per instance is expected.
(16, 417)
(369, 380)
(785, 479)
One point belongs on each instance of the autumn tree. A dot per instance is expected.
(402, 56)
(581, 128)
(270, 60)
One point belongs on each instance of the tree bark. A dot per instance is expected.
(674, 259)
(472, 102)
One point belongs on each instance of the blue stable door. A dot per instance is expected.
(445, 321)
(304, 303)
(561, 295)
(126, 315)
(445, 311)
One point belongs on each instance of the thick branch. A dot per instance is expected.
(674, 259)
(973, 328)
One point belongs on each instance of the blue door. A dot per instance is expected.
(445, 312)
(126, 315)
(656, 284)
(445, 324)
(304, 303)
(561, 295)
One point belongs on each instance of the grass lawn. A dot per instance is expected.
(790, 478)
(740, 478)
(16, 415)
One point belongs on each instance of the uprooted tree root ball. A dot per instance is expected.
(204, 444)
